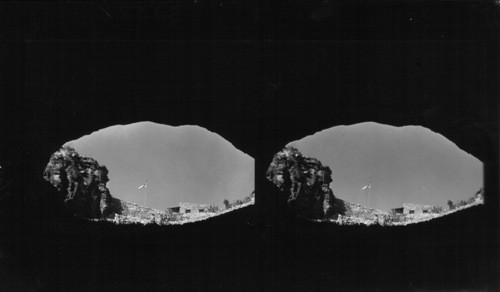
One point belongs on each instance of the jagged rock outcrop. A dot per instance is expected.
(82, 182)
(305, 181)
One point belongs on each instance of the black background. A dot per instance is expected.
(260, 75)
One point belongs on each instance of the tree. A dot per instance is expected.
(437, 209)
(213, 209)
(450, 205)
(226, 203)
(461, 203)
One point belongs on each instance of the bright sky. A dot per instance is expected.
(409, 164)
(181, 164)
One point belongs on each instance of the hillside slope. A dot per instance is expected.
(355, 214)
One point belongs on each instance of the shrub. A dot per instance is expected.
(450, 205)
(213, 209)
(461, 203)
(437, 209)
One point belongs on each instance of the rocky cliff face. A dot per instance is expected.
(305, 181)
(82, 183)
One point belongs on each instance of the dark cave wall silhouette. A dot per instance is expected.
(274, 244)
(58, 91)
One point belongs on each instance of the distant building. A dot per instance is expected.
(410, 209)
(397, 210)
(174, 210)
(188, 208)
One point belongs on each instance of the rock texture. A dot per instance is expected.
(82, 183)
(306, 183)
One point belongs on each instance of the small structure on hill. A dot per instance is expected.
(410, 209)
(187, 208)
(398, 210)
(174, 210)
